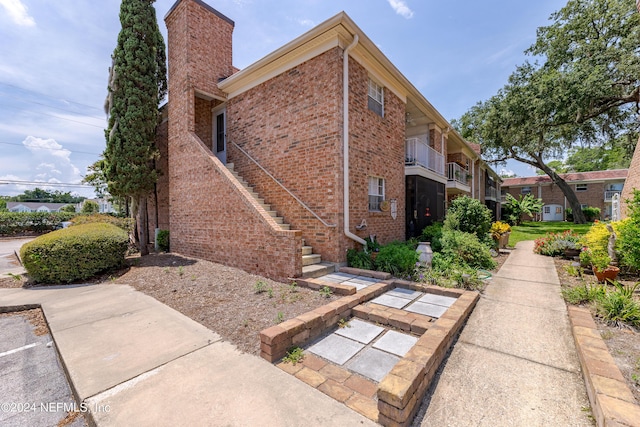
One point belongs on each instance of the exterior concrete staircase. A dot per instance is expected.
(312, 265)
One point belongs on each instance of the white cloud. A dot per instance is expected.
(18, 13)
(507, 173)
(52, 161)
(401, 8)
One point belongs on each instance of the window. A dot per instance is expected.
(526, 190)
(376, 193)
(584, 206)
(547, 209)
(376, 98)
(581, 187)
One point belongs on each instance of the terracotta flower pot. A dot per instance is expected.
(610, 273)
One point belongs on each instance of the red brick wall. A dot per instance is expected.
(211, 215)
(633, 180)
(292, 125)
(552, 195)
(376, 149)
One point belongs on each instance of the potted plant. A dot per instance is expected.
(570, 248)
(600, 264)
(500, 232)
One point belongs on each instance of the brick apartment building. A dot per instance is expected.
(597, 189)
(303, 154)
(633, 180)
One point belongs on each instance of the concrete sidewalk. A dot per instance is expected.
(515, 363)
(135, 361)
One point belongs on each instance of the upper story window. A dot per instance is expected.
(376, 98)
(526, 190)
(581, 187)
(376, 193)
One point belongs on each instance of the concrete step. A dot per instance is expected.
(273, 213)
(311, 259)
(285, 226)
(278, 219)
(317, 270)
(229, 166)
(307, 250)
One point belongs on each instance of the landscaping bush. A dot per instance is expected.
(554, 244)
(591, 213)
(124, 223)
(74, 253)
(15, 223)
(397, 258)
(469, 216)
(628, 242)
(359, 259)
(597, 238)
(163, 240)
(619, 306)
(433, 233)
(466, 248)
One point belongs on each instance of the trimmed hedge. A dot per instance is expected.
(14, 223)
(125, 223)
(75, 253)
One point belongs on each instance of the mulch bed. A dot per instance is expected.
(623, 341)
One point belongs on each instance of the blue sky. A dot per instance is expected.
(54, 60)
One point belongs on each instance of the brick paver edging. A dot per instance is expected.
(612, 402)
(276, 340)
(400, 392)
(340, 288)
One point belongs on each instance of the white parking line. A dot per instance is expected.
(15, 350)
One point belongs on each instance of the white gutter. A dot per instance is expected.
(345, 139)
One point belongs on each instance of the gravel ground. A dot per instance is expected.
(224, 299)
(623, 342)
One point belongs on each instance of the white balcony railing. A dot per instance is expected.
(418, 152)
(608, 194)
(455, 172)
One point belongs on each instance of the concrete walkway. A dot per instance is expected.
(135, 361)
(515, 363)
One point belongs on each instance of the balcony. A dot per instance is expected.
(418, 153)
(490, 193)
(608, 194)
(458, 179)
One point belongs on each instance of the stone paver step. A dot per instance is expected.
(311, 259)
(307, 250)
(317, 270)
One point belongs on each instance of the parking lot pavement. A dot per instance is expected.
(33, 388)
(9, 263)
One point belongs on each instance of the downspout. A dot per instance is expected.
(345, 139)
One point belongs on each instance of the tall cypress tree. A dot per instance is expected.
(137, 84)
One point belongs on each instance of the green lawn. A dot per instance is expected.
(533, 230)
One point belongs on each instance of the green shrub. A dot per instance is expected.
(124, 223)
(628, 242)
(469, 216)
(433, 233)
(15, 223)
(591, 213)
(619, 306)
(359, 259)
(466, 248)
(583, 294)
(397, 258)
(74, 253)
(163, 240)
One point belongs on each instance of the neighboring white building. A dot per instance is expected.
(104, 205)
(34, 207)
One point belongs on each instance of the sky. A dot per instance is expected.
(55, 55)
